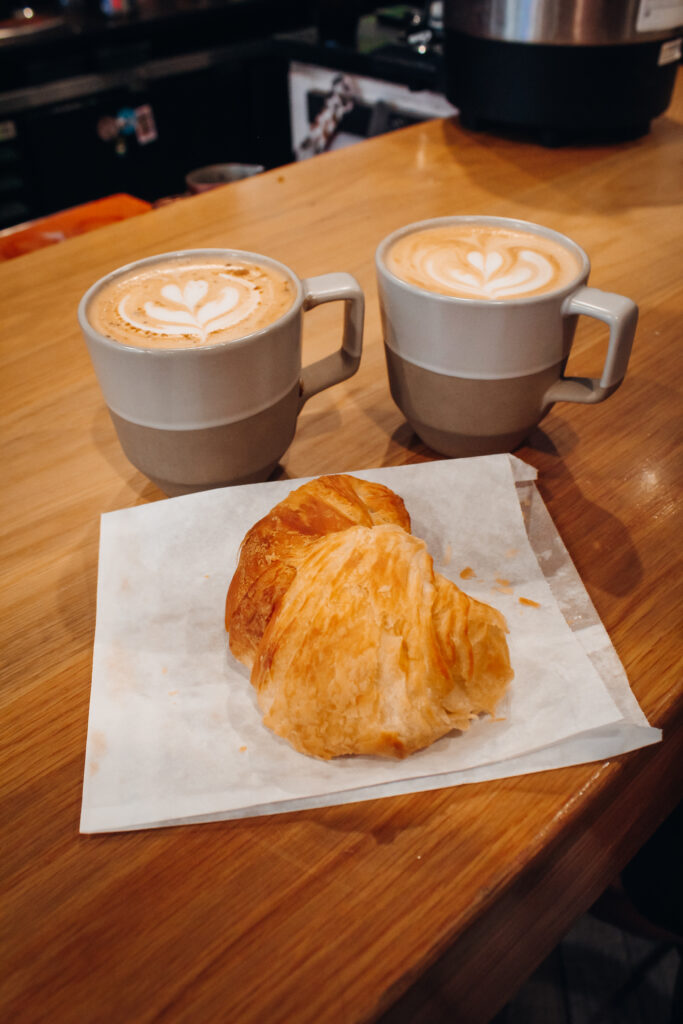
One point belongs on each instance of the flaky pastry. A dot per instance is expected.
(275, 546)
(357, 646)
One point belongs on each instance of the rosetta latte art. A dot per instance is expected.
(184, 304)
(480, 262)
(189, 310)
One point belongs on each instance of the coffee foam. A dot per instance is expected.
(190, 303)
(482, 261)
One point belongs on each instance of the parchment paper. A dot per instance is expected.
(175, 733)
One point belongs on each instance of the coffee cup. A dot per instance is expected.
(478, 316)
(203, 179)
(198, 355)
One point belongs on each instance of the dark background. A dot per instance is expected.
(206, 78)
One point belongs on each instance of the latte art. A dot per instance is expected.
(185, 303)
(477, 261)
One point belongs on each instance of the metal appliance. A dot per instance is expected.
(562, 70)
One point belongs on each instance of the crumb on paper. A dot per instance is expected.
(448, 554)
(98, 748)
(207, 575)
(242, 750)
(164, 669)
(467, 573)
(172, 693)
(511, 552)
(528, 602)
(503, 586)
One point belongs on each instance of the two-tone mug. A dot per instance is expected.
(198, 355)
(478, 316)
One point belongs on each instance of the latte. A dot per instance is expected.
(482, 261)
(184, 302)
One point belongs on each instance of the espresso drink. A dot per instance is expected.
(188, 303)
(482, 261)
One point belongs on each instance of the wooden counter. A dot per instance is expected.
(332, 915)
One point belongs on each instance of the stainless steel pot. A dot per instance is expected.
(562, 71)
(566, 22)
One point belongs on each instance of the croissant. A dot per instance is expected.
(275, 546)
(356, 644)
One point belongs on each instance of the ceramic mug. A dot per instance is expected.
(224, 413)
(203, 179)
(474, 376)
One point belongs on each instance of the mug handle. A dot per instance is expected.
(343, 363)
(622, 315)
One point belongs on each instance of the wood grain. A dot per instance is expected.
(334, 914)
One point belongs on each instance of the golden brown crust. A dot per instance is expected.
(276, 545)
(372, 652)
(357, 645)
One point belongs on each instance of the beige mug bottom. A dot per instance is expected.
(461, 417)
(183, 461)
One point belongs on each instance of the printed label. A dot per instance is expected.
(670, 51)
(659, 15)
(145, 125)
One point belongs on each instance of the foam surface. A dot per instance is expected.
(184, 303)
(479, 261)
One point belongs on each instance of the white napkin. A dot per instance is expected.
(175, 733)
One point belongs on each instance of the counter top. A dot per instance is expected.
(56, 22)
(81, 40)
(345, 913)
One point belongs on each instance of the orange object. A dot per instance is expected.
(77, 220)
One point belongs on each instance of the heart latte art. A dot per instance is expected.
(478, 261)
(186, 303)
